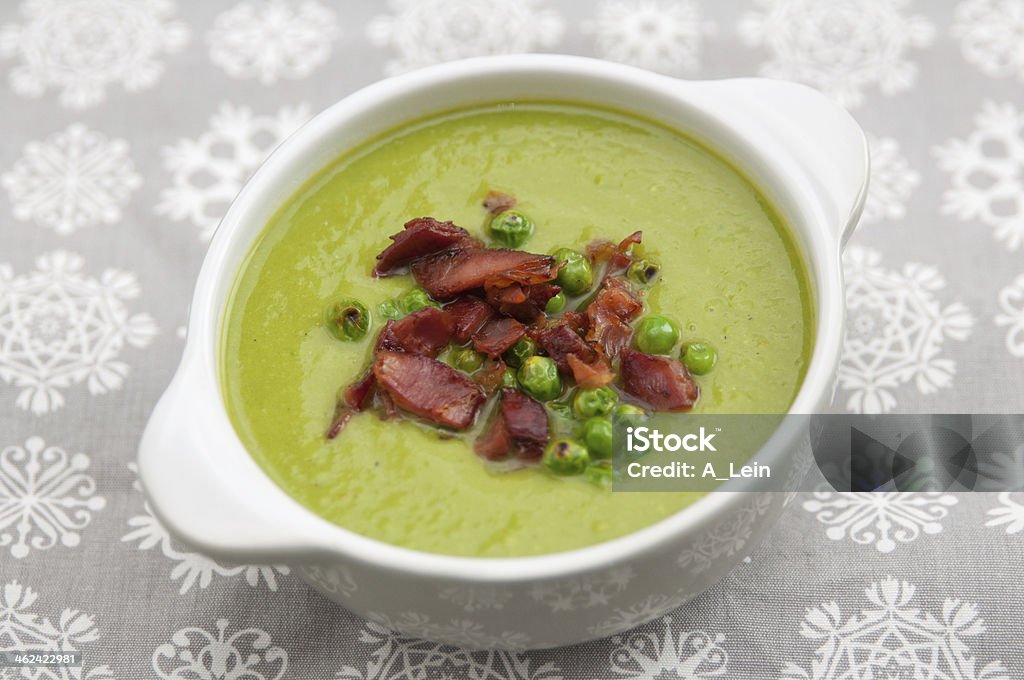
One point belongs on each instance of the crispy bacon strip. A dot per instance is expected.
(560, 342)
(597, 373)
(617, 256)
(523, 303)
(497, 336)
(422, 236)
(520, 426)
(426, 331)
(662, 383)
(468, 314)
(489, 375)
(609, 314)
(447, 274)
(428, 388)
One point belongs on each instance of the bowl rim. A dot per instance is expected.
(338, 543)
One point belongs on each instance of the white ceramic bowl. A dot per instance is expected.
(803, 152)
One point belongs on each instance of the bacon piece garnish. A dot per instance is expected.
(617, 256)
(422, 236)
(489, 375)
(358, 394)
(597, 373)
(662, 383)
(468, 314)
(428, 388)
(559, 341)
(576, 321)
(497, 202)
(445, 275)
(520, 426)
(426, 331)
(497, 336)
(523, 303)
(609, 314)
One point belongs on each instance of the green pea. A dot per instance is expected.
(466, 359)
(348, 319)
(597, 435)
(566, 457)
(656, 334)
(508, 379)
(628, 410)
(594, 402)
(555, 304)
(575, 276)
(521, 351)
(415, 300)
(538, 376)
(389, 310)
(600, 474)
(511, 228)
(699, 357)
(643, 272)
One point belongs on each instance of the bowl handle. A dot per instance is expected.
(188, 467)
(827, 145)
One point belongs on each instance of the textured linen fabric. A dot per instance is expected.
(128, 125)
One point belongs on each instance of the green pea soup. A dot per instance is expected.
(730, 275)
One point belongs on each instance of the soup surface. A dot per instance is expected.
(730, 276)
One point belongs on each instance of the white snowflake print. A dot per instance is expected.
(584, 592)
(726, 538)
(23, 628)
(987, 173)
(896, 329)
(892, 181)
(332, 579)
(648, 609)
(82, 46)
(990, 36)
(894, 637)
(395, 657)
(477, 598)
(59, 327)
(208, 171)
(1011, 305)
(73, 179)
(191, 567)
(271, 40)
(201, 654)
(882, 519)
(426, 32)
(657, 649)
(841, 47)
(652, 34)
(461, 632)
(1008, 513)
(45, 497)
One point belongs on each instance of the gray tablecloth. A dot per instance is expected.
(127, 125)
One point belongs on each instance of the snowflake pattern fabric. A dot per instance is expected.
(842, 47)
(656, 35)
(659, 649)
(425, 32)
(986, 171)
(208, 171)
(896, 330)
(217, 654)
(60, 327)
(272, 40)
(81, 46)
(880, 519)
(1011, 315)
(892, 181)
(73, 179)
(990, 36)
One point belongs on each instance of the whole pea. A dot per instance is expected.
(643, 272)
(699, 357)
(389, 310)
(466, 359)
(521, 351)
(348, 320)
(538, 376)
(600, 474)
(566, 457)
(594, 402)
(597, 435)
(415, 300)
(575, 275)
(628, 410)
(555, 304)
(656, 334)
(510, 228)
